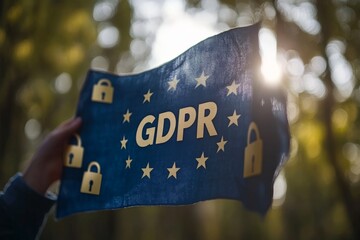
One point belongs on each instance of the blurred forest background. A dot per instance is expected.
(311, 48)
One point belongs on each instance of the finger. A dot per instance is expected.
(70, 127)
(68, 122)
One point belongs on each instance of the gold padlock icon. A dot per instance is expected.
(253, 153)
(74, 154)
(103, 91)
(91, 182)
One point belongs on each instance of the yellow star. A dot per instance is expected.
(232, 88)
(128, 162)
(201, 161)
(173, 83)
(221, 145)
(147, 96)
(127, 116)
(233, 119)
(201, 80)
(146, 171)
(173, 170)
(123, 142)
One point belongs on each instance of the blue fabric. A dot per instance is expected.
(232, 90)
(22, 210)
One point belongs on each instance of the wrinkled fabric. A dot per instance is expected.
(22, 210)
(185, 120)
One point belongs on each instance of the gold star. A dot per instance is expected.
(123, 142)
(146, 171)
(233, 119)
(232, 88)
(127, 116)
(221, 145)
(147, 96)
(201, 80)
(201, 161)
(128, 162)
(173, 83)
(173, 170)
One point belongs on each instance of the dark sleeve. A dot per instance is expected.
(22, 210)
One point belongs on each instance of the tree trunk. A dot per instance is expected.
(326, 11)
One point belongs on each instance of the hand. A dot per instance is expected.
(46, 164)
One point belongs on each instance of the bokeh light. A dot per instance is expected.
(32, 129)
(270, 68)
(280, 187)
(104, 10)
(108, 36)
(100, 63)
(63, 83)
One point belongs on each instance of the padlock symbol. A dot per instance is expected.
(91, 182)
(74, 154)
(103, 91)
(253, 153)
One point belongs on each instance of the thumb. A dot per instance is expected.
(70, 127)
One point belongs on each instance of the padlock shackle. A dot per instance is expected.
(78, 139)
(96, 164)
(104, 81)
(253, 127)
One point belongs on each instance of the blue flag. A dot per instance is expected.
(199, 127)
